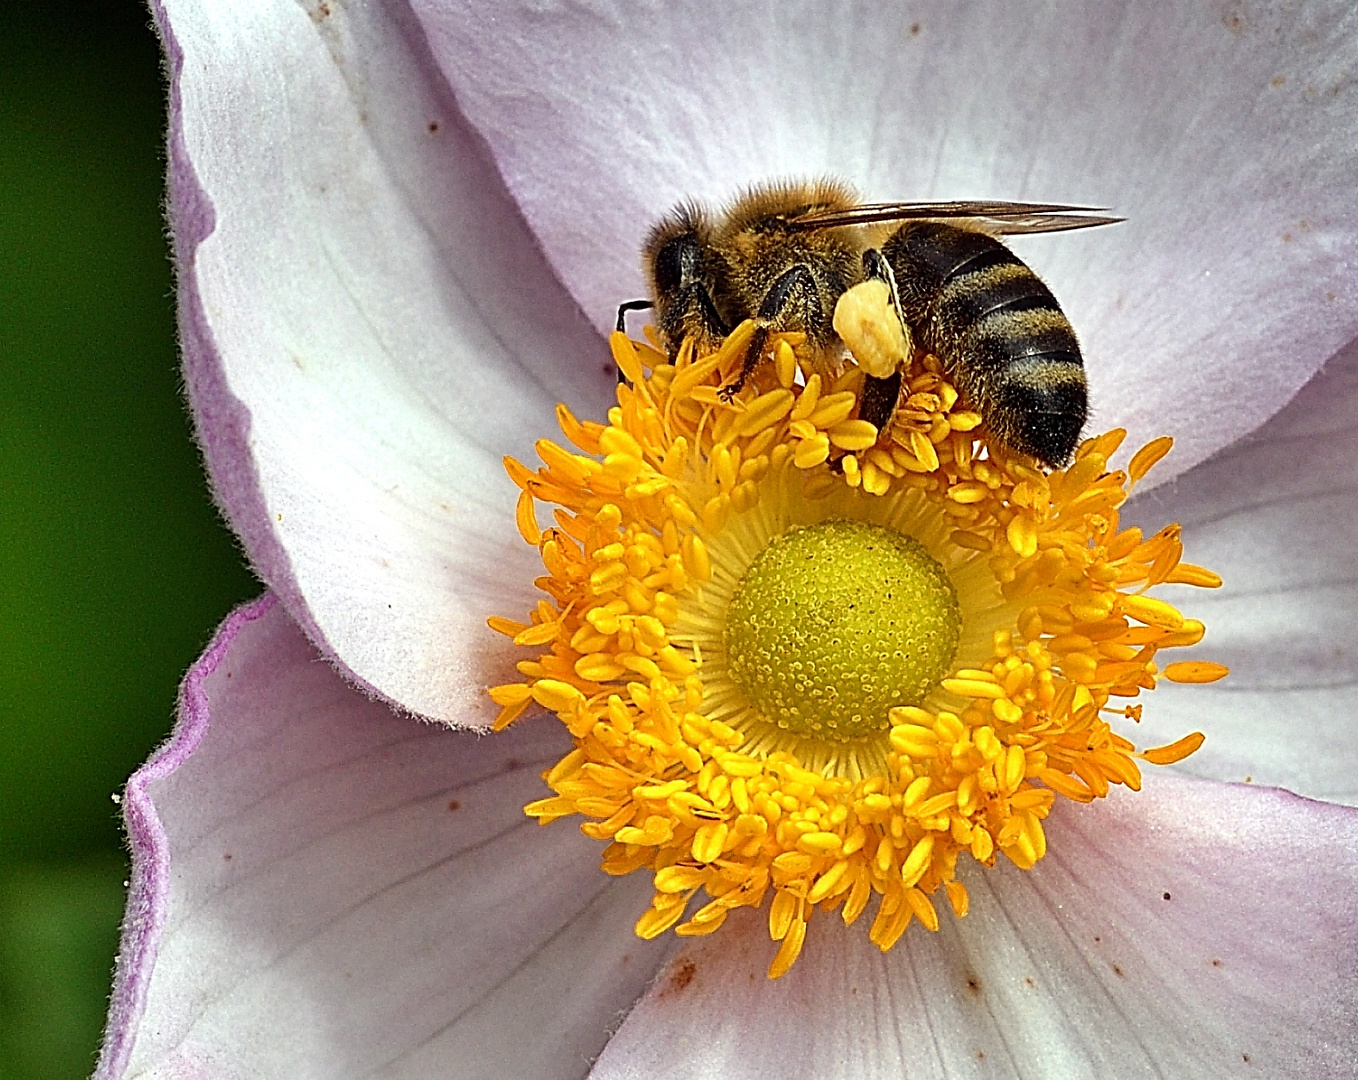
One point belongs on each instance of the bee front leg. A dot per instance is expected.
(796, 283)
(631, 305)
(623, 309)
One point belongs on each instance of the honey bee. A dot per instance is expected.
(783, 255)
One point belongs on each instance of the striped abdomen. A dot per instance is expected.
(999, 332)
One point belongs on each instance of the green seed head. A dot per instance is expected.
(835, 623)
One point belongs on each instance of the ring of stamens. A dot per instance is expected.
(661, 514)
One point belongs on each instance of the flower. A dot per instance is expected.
(372, 208)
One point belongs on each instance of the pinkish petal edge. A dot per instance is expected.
(149, 889)
(223, 430)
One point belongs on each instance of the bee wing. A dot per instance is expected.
(1038, 223)
(1000, 218)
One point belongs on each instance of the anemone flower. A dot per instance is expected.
(401, 229)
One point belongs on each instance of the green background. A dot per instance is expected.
(116, 568)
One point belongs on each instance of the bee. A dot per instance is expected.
(784, 254)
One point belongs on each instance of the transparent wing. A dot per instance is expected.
(1001, 218)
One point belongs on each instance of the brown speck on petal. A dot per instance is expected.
(681, 976)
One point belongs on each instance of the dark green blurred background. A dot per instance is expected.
(115, 566)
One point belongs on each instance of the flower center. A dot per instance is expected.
(835, 623)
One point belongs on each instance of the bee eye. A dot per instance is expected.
(677, 262)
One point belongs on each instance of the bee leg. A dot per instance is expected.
(769, 317)
(623, 309)
(631, 305)
(753, 353)
(878, 403)
(876, 268)
(880, 396)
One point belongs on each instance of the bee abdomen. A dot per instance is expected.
(999, 332)
(1020, 361)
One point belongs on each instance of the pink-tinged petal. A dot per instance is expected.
(368, 327)
(1226, 134)
(1195, 930)
(322, 888)
(1275, 515)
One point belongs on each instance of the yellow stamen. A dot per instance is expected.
(1175, 751)
(1196, 671)
(731, 752)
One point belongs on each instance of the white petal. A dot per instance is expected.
(367, 327)
(325, 889)
(1275, 515)
(1227, 136)
(1194, 930)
